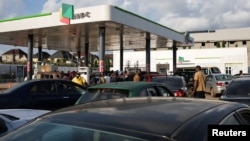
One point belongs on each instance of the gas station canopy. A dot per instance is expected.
(50, 33)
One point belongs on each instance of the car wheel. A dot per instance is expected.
(213, 94)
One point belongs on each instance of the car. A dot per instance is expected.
(238, 91)
(205, 70)
(11, 119)
(45, 94)
(188, 76)
(176, 84)
(242, 75)
(217, 83)
(124, 89)
(134, 119)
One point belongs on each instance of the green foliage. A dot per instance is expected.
(223, 44)
(218, 44)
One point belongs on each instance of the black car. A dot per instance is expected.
(238, 90)
(176, 84)
(46, 94)
(188, 76)
(134, 119)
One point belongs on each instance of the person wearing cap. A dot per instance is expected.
(199, 83)
(80, 80)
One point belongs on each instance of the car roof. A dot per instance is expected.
(169, 77)
(220, 74)
(129, 85)
(241, 78)
(160, 116)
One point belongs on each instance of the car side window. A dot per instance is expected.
(231, 120)
(209, 78)
(245, 115)
(164, 91)
(152, 91)
(67, 88)
(144, 92)
(43, 88)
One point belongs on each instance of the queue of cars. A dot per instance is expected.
(117, 103)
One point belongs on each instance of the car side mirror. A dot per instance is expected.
(3, 127)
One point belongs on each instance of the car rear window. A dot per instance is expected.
(239, 88)
(223, 77)
(170, 82)
(109, 90)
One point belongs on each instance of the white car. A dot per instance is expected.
(217, 83)
(11, 119)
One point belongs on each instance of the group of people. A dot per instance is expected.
(115, 76)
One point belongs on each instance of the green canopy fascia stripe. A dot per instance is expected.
(26, 17)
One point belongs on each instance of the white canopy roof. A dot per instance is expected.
(50, 33)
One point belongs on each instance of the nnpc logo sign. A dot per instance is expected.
(66, 13)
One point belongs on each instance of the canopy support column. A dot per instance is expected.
(101, 49)
(86, 51)
(30, 57)
(39, 54)
(174, 56)
(121, 49)
(148, 53)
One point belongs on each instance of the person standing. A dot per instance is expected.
(240, 73)
(199, 83)
(137, 76)
(80, 80)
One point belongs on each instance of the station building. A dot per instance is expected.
(227, 49)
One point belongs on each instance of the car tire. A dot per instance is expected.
(213, 94)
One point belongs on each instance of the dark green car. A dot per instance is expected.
(124, 89)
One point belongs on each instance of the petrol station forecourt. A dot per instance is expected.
(98, 28)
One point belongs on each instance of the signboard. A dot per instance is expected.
(19, 71)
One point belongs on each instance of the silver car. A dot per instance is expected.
(217, 83)
(11, 119)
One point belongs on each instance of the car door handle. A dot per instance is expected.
(65, 97)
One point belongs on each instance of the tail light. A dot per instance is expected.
(219, 83)
(179, 93)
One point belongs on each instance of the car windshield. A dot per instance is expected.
(239, 88)
(41, 131)
(215, 70)
(223, 77)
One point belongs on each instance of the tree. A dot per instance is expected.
(107, 63)
(223, 44)
(218, 44)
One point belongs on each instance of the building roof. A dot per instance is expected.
(45, 55)
(237, 34)
(62, 54)
(14, 51)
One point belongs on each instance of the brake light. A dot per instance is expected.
(179, 93)
(219, 84)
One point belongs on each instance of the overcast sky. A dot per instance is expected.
(180, 15)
